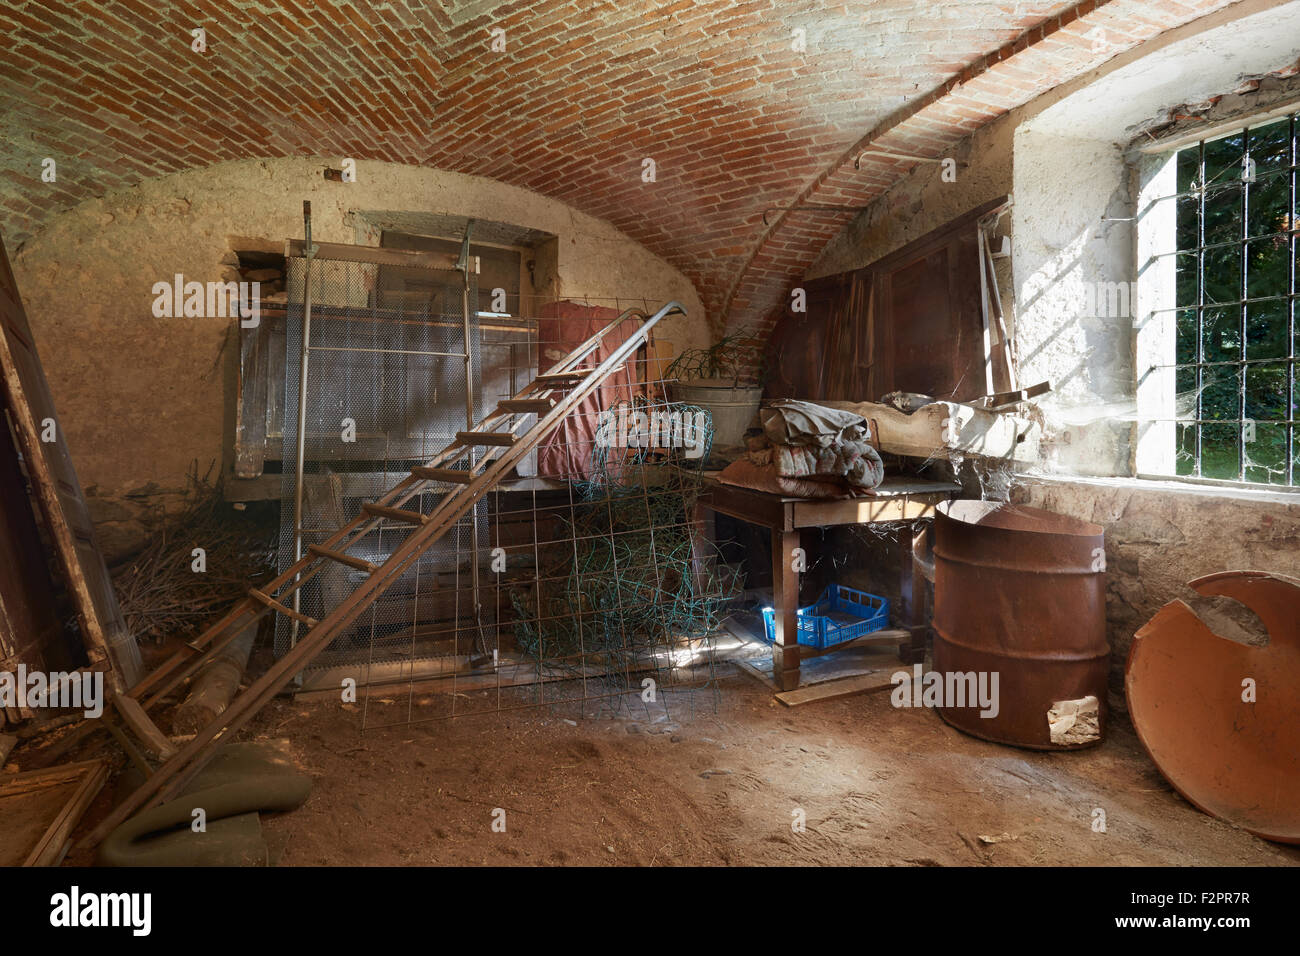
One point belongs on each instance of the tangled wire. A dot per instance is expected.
(632, 576)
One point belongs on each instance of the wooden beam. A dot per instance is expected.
(402, 258)
(536, 406)
(844, 687)
(145, 730)
(495, 439)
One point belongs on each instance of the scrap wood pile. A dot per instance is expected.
(161, 592)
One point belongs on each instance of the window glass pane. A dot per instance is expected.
(1268, 267)
(1221, 334)
(1266, 453)
(1188, 169)
(1185, 456)
(1222, 274)
(1234, 305)
(1221, 399)
(1266, 392)
(1223, 159)
(1223, 213)
(1185, 266)
(1185, 350)
(1266, 329)
(1220, 456)
(1270, 147)
(1268, 199)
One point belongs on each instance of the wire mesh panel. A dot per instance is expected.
(601, 589)
(386, 389)
(588, 585)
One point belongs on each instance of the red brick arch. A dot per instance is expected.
(735, 118)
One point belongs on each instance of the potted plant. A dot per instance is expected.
(725, 379)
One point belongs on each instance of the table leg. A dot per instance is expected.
(785, 594)
(914, 619)
(701, 531)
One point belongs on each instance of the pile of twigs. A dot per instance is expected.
(161, 593)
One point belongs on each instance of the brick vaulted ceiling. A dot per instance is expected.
(736, 119)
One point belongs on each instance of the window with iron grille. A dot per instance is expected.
(1233, 291)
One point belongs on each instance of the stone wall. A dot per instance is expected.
(1160, 535)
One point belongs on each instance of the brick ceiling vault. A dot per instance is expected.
(735, 117)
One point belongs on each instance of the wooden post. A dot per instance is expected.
(913, 616)
(785, 594)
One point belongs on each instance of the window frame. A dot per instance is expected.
(1156, 331)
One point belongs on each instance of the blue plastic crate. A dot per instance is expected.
(819, 630)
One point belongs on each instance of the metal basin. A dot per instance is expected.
(1235, 758)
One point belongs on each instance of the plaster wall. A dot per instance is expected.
(141, 400)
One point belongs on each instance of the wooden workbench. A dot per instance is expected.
(901, 499)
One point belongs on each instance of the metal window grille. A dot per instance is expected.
(1236, 292)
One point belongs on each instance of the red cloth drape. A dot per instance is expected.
(562, 327)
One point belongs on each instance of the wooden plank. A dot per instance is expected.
(493, 439)
(251, 407)
(813, 513)
(558, 379)
(745, 504)
(26, 395)
(145, 730)
(345, 252)
(835, 689)
(526, 405)
(1016, 396)
(27, 796)
(53, 845)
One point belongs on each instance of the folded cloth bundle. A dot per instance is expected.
(814, 441)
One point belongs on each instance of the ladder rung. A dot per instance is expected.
(272, 603)
(361, 564)
(504, 439)
(532, 406)
(443, 474)
(561, 378)
(394, 514)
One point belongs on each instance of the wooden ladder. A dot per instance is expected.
(551, 396)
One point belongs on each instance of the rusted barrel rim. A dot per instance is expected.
(1038, 521)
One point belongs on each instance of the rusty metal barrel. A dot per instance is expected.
(1019, 593)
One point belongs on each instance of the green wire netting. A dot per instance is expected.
(633, 578)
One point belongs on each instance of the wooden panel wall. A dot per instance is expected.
(911, 321)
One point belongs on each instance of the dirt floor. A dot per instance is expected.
(876, 785)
